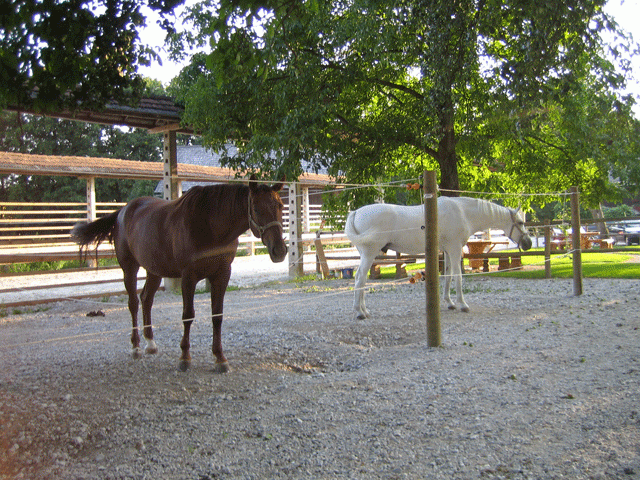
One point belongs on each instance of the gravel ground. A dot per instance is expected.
(246, 271)
(534, 383)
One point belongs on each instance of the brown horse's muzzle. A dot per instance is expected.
(275, 245)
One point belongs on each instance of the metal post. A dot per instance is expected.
(434, 333)
(305, 209)
(91, 199)
(91, 213)
(170, 160)
(296, 267)
(576, 240)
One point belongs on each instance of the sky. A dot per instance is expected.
(625, 12)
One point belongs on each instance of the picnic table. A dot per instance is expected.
(482, 246)
(587, 239)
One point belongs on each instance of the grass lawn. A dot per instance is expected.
(595, 264)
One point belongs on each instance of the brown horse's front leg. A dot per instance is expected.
(218, 289)
(185, 358)
(222, 365)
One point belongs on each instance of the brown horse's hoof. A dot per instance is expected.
(184, 365)
(152, 348)
(136, 353)
(221, 367)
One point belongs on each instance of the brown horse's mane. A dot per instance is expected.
(223, 196)
(212, 207)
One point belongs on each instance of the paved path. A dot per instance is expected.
(245, 272)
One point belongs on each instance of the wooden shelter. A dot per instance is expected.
(158, 114)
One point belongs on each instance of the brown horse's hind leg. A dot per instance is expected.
(131, 285)
(188, 314)
(147, 295)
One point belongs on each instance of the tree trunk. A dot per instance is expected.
(446, 155)
(599, 215)
(449, 181)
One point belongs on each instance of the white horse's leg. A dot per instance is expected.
(366, 260)
(456, 260)
(447, 281)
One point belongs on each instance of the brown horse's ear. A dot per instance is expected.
(278, 186)
(253, 185)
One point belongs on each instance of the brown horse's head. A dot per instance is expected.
(265, 217)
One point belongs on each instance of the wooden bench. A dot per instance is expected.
(513, 262)
(603, 243)
(322, 265)
(399, 261)
(586, 243)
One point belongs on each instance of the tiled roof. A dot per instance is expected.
(28, 164)
(202, 156)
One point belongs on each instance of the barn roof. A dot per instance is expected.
(155, 113)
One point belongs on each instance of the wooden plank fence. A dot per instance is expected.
(39, 232)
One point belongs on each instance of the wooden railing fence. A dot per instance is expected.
(39, 232)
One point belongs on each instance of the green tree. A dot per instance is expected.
(63, 54)
(377, 89)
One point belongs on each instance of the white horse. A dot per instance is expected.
(382, 226)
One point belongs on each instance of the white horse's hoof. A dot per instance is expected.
(452, 307)
(465, 309)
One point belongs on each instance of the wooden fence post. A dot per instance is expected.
(432, 283)
(171, 190)
(576, 239)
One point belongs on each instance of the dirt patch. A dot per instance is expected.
(533, 383)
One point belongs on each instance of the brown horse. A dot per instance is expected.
(193, 237)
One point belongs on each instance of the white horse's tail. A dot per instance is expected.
(349, 227)
(356, 237)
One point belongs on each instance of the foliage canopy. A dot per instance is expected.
(71, 53)
(498, 95)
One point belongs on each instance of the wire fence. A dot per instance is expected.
(238, 310)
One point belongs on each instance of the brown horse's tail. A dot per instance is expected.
(84, 234)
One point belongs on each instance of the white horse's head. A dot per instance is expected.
(518, 233)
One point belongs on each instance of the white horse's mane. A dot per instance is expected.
(486, 207)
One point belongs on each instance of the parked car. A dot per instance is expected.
(559, 234)
(632, 233)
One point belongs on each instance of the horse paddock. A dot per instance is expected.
(533, 383)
